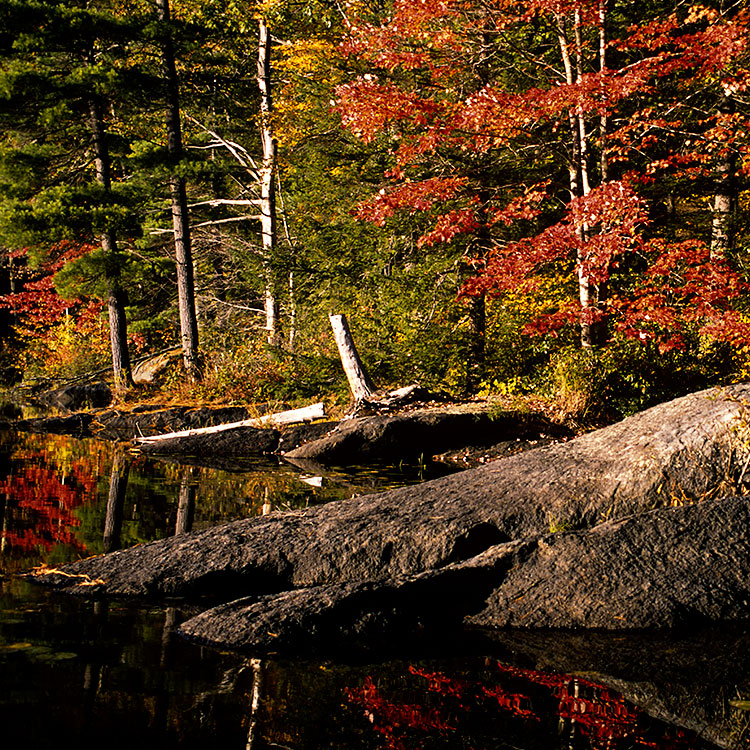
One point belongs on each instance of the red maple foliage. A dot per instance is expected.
(38, 305)
(545, 88)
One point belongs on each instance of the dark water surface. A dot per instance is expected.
(115, 675)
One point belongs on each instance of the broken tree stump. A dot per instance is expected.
(362, 387)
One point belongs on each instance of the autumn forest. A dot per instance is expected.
(543, 199)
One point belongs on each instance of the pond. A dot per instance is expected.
(114, 672)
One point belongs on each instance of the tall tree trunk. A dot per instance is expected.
(118, 326)
(599, 329)
(722, 221)
(578, 172)
(268, 184)
(180, 215)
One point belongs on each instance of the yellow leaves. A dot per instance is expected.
(306, 57)
(308, 68)
(267, 8)
(698, 13)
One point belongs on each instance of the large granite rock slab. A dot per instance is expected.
(669, 568)
(690, 448)
(421, 433)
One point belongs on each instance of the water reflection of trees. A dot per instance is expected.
(123, 670)
(47, 480)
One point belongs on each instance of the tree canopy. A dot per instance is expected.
(503, 196)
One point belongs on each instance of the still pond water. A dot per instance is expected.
(114, 674)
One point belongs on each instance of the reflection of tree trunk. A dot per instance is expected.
(118, 484)
(268, 185)
(3, 536)
(118, 334)
(722, 229)
(92, 673)
(186, 505)
(257, 667)
(167, 635)
(180, 215)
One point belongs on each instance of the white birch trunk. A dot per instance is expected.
(268, 184)
(722, 231)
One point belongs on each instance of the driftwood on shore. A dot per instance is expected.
(416, 556)
(293, 416)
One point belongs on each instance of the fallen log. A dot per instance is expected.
(686, 450)
(293, 416)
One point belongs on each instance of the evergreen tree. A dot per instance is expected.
(62, 63)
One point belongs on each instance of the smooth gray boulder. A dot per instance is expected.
(147, 371)
(694, 447)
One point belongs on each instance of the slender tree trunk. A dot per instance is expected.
(291, 279)
(180, 215)
(603, 118)
(722, 221)
(578, 173)
(118, 326)
(268, 184)
(599, 329)
(587, 291)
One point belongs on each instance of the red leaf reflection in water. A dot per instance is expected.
(598, 713)
(46, 500)
(395, 720)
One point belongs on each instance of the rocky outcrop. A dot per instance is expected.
(686, 449)
(672, 567)
(421, 433)
(75, 397)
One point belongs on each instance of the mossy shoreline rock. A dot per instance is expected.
(475, 547)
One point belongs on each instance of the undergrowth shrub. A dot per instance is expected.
(250, 371)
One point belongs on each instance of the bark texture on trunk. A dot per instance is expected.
(361, 386)
(722, 222)
(180, 214)
(268, 184)
(118, 326)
